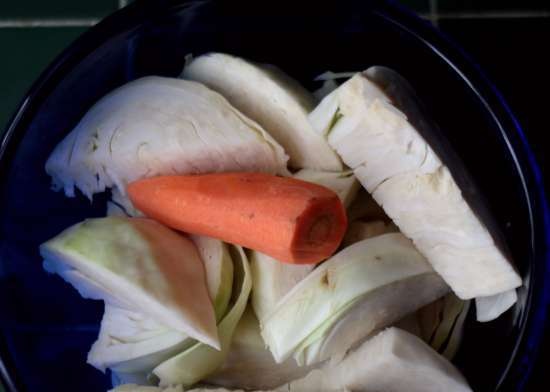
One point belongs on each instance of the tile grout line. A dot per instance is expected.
(53, 22)
(434, 17)
(494, 14)
(76, 22)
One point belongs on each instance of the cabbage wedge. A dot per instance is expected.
(131, 344)
(141, 264)
(367, 316)
(364, 122)
(351, 286)
(200, 360)
(490, 308)
(250, 364)
(276, 102)
(392, 361)
(158, 126)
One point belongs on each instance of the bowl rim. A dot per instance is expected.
(527, 346)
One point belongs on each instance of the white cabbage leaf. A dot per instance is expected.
(201, 360)
(131, 343)
(392, 361)
(250, 364)
(276, 102)
(143, 266)
(350, 286)
(158, 126)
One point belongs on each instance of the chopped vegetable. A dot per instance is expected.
(343, 184)
(329, 83)
(432, 316)
(406, 177)
(367, 315)
(131, 342)
(440, 324)
(276, 102)
(329, 75)
(141, 388)
(205, 159)
(490, 308)
(360, 230)
(451, 309)
(455, 338)
(215, 389)
(326, 88)
(250, 364)
(219, 271)
(291, 220)
(392, 361)
(158, 126)
(200, 360)
(361, 275)
(142, 265)
(273, 279)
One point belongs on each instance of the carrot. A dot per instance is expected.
(291, 220)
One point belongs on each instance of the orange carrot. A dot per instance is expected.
(291, 220)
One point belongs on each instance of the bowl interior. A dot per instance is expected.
(48, 328)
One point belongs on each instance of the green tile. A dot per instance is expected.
(492, 5)
(25, 54)
(56, 8)
(417, 5)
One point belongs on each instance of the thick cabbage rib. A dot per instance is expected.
(406, 177)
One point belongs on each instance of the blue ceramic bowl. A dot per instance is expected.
(47, 329)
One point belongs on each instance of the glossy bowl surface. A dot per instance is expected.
(47, 329)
